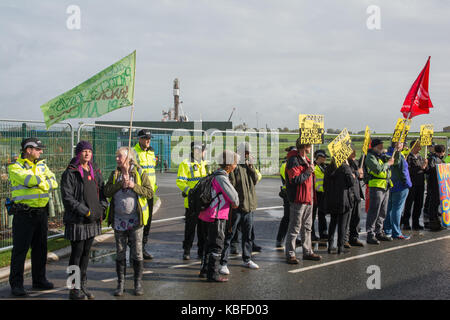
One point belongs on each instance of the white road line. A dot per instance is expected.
(46, 292)
(269, 208)
(127, 276)
(102, 256)
(168, 219)
(185, 265)
(367, 255)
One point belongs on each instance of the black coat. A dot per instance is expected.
(338, 187)
(72, 192)
(357, 187)
(432, 181)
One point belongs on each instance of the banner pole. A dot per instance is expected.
(131, 127)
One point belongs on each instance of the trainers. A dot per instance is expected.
(372, 240)
(147, 255)
(356, 243)
(347, 245)
(251, 265)
(312, 256)
(224, 270)
(402, 237)
(383, 237)
(292, 260)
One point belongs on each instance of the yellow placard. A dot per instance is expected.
(311, 127)
(426, 134)
(365, 147)
(402, 126)
(341, 147)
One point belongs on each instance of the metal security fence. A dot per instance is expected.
(59, 150)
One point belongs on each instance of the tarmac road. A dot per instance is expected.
(415, 269)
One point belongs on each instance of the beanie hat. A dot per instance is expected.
(375, 142)
(83, 145)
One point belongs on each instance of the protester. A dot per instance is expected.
(31, 181)
(146, 159)
(398, 193)
(243, 178)
(416, 167)
(378, 167)
(84, 204)
(352, 235)
(190, 172)
(213, 219)
(129, 188)
(282, 229)
(320, 157)
(339, 198)
(426, 216)
(299, 184)
(433, 187)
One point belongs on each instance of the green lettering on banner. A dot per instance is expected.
(108, 90)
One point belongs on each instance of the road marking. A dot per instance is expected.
(127, 276)
(269, 208)
(102, 256)
(367, 255)
(46, 292)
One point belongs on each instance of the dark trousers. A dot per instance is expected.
(189, 232)
(341, 221)
(238, 236)
(149, 223)
(353, 229)
(214, 235)
(79, 255)
(317, 212)
(245, 220)
(415, 196)
(284, 223)
(29, 229)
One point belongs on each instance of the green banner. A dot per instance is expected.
(108, 90)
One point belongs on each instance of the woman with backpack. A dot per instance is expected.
(213, 219)
(84, 203)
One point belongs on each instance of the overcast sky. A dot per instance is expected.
(277, 58)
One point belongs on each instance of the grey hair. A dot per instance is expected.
(129, 153)
(227, 158)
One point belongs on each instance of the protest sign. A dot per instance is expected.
(426, 134)
(366, 143)
(443, 175)
(311, 127)
(341, 147)
(401, 129)
(108, 90)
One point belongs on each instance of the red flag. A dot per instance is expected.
(418, 99)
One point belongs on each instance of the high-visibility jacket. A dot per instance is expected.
(31, 182)
(381, 179)
(258, 174)
(147, 161)
(143, 204)
(320, 174)
(283, 174)
(189, 173)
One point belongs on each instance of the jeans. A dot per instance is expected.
(415, 196)
(245, 220)
(300, 221)
(394, 215)
(284, 223)
(135, 238)
(214, 235)
(29, 229)
(377, 211)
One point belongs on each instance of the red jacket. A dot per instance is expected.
(299, 182)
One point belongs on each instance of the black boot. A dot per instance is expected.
(138, 266)
(121, 267)
(88, 294)
(76, 294)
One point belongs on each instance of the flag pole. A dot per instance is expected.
(131, 127)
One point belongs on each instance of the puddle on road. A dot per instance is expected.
(102, 256)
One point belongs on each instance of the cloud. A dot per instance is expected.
(277, 58)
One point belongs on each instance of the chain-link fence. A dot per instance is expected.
(59, 150)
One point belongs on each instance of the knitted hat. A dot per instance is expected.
(375, 142)
(83, 145)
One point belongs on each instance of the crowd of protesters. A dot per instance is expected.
(391, 181)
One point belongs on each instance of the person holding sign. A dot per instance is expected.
(379, 170)
(416, 166)
(339, 198)
(299, 182)
(433, 187)
(398, 194)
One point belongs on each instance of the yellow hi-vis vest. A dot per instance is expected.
(283, 173)
(141, 200)
(147, 161)
(319, 178)
(380, 180)
(31, 182)
(189, 173)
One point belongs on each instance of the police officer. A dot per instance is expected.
(31, 181)
(145, 157)
(190, 172)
